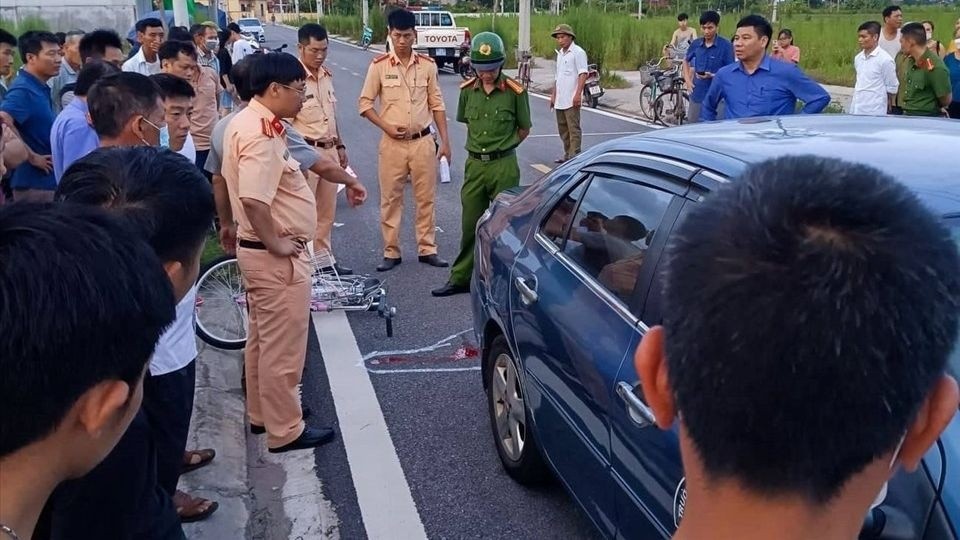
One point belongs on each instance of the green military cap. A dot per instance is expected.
(486, 51)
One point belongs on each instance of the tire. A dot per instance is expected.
(464, 70)
(646, 101)
(221, 320)
(594, 101)
(665, 106)
(440, 63)
(523, 462)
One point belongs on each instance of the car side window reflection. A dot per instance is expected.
(558, 221)
(612, 229)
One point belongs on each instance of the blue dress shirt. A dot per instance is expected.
(700, 57)
(72, 137)
(28, 103)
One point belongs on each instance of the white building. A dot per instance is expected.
(65, 15)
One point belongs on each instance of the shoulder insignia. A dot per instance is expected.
(515, 86)
(266, 128)
(327, 71)
(468, 82)
(425, 57)
(381, 58)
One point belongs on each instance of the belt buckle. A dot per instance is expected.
(485, 157)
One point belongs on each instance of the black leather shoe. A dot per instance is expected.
(434, 260)
(340, 270)
(389, 264)
(260, 430)
(310, 438)
(450, 289)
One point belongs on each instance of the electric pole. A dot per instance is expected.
(524, 34)
(181, 17)
(365, 12)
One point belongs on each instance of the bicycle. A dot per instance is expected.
(221, 309)
(671, 106)
(656, 81)
(523, 69)
(367, 38)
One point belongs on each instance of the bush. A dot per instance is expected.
(26, 24)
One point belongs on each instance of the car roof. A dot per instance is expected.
(922, 153)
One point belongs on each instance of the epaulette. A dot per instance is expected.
(468, 82)
(381, 58)
(515, 86)
(425, 57)
(327, 71)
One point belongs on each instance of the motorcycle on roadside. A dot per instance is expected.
(464, 68)
(592, 91)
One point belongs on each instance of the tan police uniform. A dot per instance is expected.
(258, 166)
(409, 95)
(317, 123)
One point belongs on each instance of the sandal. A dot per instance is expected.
(195, 459)
(192, 509)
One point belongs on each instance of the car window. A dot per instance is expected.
(446, 19)
(953, 363)
(612, 229)
(557, 223)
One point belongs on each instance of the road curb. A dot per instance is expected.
(218, 422)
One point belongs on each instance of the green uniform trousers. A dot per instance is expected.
(482, 181)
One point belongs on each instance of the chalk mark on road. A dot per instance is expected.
(445, 342)
(423, 370)
(541, 167)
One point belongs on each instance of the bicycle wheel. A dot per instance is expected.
(221, 312)
(647, 98)
(670, 108)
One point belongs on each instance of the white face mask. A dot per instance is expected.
(956, 42)
(929, 36)
(882, 496)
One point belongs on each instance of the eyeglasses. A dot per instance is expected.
(301, 91)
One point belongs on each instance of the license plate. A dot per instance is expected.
(594, 90)
(442, 52)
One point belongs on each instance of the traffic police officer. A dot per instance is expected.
(410, 98)
(317, 122)
(496, 110)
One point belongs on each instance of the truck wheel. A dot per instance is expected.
(440, 63)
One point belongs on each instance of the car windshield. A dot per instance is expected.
(248, 22)
(954, 363)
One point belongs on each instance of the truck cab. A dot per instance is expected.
(438, 35)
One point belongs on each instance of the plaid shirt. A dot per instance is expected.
(211, 62)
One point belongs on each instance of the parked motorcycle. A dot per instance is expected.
(367, 37)
(592, 91)
(465, 68)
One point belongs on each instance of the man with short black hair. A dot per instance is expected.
(926, 79)
(180, 58)
(72, 136)
(178, 98)
(758, 85)
(68, 387)
(8, 42)
(126, 110)
(889, 39)
(28, 110)
(791, 425)
(703, 60)
(126, 496)
(103, 45)
(240, 48)
(277, 216)
(876, 87)
(150, 35)
(205, 38)
(69, 68)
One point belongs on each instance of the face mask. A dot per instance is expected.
(164, 137)
(929, 36)
(882, 496)
(212, 45)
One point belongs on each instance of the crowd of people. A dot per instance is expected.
(121, 167)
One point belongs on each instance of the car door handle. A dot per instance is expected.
(528, 293)
(640, 412)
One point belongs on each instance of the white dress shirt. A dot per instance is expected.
(138, 64)
(189, 149)
(570, 65)
(177, 346)
(876, 77)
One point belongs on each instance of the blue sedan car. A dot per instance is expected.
(560, 304)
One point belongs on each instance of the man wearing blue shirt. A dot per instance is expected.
(72, 137)
(704, 59)
(758, 85)
(27, 107)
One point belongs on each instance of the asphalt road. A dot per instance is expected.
(427, 382)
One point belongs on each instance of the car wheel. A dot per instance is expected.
(512, 430)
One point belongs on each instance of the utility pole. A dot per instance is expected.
(181, 17)
(774, 18)
(524, 34)
(296, 7)
(365, 12)
(639, 9)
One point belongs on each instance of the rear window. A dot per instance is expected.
(248, 22)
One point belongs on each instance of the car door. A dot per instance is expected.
(572, 320)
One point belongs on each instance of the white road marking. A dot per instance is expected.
(309, 513)
(423, 370)
(541, 167)
(354, 73)
(383, 494)
(547, 135)
(445, 342)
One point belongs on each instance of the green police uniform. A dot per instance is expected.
(493, 121)
(925, 82)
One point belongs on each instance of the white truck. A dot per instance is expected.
(438, 36)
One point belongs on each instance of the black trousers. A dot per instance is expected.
(954, 110)
(168, 404)
(120, 498)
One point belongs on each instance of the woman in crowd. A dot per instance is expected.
(784, 49)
